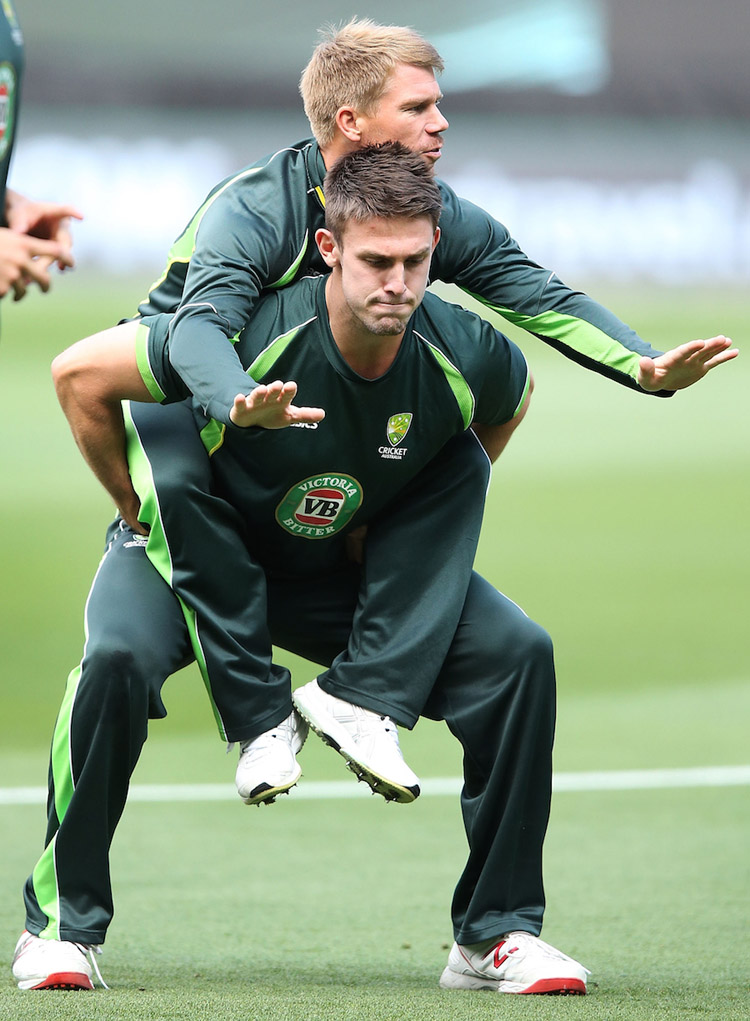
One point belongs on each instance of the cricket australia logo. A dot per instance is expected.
(319, 506)
(396, 430)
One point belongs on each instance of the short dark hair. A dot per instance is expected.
(386, 181)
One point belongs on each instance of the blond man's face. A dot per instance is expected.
(408, 112)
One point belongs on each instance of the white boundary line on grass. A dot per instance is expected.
(614, 780)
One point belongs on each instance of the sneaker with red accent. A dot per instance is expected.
(518, 963)
(54, 964)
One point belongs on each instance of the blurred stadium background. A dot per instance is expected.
(612, 139)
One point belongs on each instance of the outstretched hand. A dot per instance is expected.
(25, 260)
(269, 406)
(36, 237)
(49, 221)
(684, 365)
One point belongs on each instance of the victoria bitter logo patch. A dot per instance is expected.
(319, 506)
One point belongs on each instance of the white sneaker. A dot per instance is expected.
(367, 740)
(54, 964)
(268, 764)
(518, 963)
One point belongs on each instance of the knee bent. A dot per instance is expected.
(526, 653)
(117, 676)
(534, 642)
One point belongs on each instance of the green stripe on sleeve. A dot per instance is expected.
(576, 334)
(461, 389)
(212, 435)
(287, 277)
(524, 395)
(271, 354)
(183, 248)
(144, 365)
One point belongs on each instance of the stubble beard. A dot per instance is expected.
(385, 325)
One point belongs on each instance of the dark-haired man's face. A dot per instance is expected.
(408, 112)
(381, 270)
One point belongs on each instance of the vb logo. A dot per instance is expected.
(319, 506)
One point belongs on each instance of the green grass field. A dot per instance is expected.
(617, 521)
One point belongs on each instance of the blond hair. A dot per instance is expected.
(351, 67)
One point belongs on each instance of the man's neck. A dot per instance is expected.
(340, 146)
(368, 354)
(373, 363)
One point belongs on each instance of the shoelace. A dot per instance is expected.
(385, 723)
(92, 952)
(286, 731)
(391, 729)
(259, 744)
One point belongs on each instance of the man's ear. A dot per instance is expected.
(327, 246)
(435, 238)
(347, 121)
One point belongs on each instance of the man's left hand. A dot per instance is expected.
(684, 365)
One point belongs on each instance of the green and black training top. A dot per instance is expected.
(256, 231)
(315, 482)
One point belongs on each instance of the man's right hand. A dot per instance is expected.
(25, 260)
(269, 406)
(129, 507)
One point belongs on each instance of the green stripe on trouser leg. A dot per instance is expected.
(198, 545)
(44, 876)
(157, 547)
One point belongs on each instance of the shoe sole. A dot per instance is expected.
(378, 784)
(58, 980)
(546, 987)
(265, 794)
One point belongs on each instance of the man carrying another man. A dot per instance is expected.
(477, 253)
(365, 345)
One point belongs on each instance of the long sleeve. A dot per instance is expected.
(478, 254)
